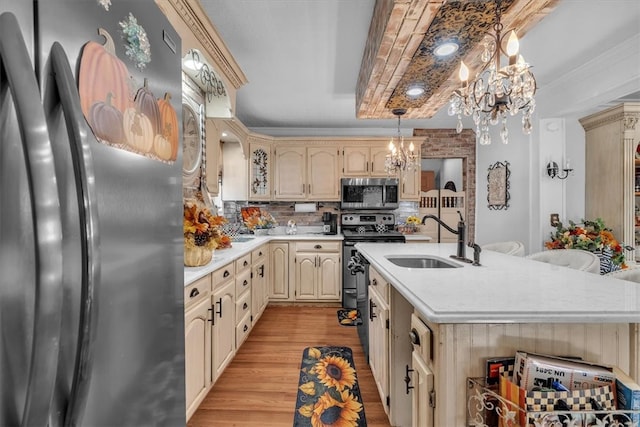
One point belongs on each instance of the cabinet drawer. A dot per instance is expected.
(223, 274)
(197, 291)
(243, 263)
(380, 284)
(243, 306)
(258, 254)
(318, 246)
(421, 338)
(243, 329)
(243, 282)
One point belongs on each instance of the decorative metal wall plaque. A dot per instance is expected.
(498, 186)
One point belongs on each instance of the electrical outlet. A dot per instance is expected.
(554, 219)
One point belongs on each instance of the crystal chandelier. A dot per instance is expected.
(399, 157)
(496, 91)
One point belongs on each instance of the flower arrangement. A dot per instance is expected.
(412, 219)
(202, 229)
(260, 219)
(592, 236)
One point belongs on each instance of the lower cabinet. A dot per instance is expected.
(224, 320)
(197, 340)
(259, 276)
(279, 271)
(379, 344)
(422, 399)
(318, 271)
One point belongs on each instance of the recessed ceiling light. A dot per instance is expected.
(446, 49)
(415, 90)
(225, 134)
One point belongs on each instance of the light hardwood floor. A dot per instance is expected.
(259, 387)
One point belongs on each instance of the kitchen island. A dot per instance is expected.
(471, 313)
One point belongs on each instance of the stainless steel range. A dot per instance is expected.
(360, 227)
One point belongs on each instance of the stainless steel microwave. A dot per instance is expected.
(369, 193)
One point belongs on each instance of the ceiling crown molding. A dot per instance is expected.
(196, 19)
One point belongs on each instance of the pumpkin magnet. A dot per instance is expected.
(169, 125)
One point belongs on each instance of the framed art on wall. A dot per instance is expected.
(498, 185)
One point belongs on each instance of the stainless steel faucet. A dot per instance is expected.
(461, 251)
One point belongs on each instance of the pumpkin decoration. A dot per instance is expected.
(146, 103)
(162, 147)
(106, 121)
(138, 130)
(169, 124)
(101, 73)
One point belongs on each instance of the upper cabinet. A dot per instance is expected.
(260, 166)
(364, 160)
(303, 173)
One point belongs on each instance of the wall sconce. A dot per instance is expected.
(555, 172)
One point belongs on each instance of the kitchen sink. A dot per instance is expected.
(242, 239)
(421, 261)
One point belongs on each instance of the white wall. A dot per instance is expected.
(452, 171)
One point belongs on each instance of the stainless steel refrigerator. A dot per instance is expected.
(91, 258)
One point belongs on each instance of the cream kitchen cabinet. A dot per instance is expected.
(317, 271)
(364, 160)
(260, 171)
(422, 399)
(379, 343)
(303, 173)
(278, 271)
(197, 342)
(259, 279)
(223, 318)
(410, 183)
(243, 299)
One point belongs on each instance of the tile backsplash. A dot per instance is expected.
(284, 211)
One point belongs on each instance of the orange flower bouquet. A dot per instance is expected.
(592, 236)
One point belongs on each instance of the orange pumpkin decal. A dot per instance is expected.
(138, 130)
(101, 73)
(169, 124)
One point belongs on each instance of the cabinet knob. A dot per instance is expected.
(374, 282)
(244, 306)
(245, 329)
(226, 273)
(194, 293)
(414, 337)
(317, 247)
(245, 283)
(245, 263)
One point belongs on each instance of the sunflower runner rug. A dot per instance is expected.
(328, 391)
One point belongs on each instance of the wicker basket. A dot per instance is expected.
(195, 257)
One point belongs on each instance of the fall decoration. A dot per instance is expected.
(101, 73)
(146, 103)
(138, 130)
(592, 236)
(258, 219)
(106, 121)
(169, 124)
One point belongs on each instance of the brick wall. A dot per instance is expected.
(447, 143)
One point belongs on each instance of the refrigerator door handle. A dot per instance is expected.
(82, 159)
(45, 205)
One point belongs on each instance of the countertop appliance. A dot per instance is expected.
(369, 193)
(91, 252)
(362, 227)
(330, 223)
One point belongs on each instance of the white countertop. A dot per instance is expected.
(417, 236)
(222, 257)
(504, 289)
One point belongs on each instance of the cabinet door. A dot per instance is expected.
(421, 405)
(224, 326)
(291, 173)
(306, 276)
(197, 353)
(329, 277)
(279, 271)
(410, 185)
(355, 161)
(257, 290)
(260, 165)
(379, 344)
(378, 158)
(323, 177)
